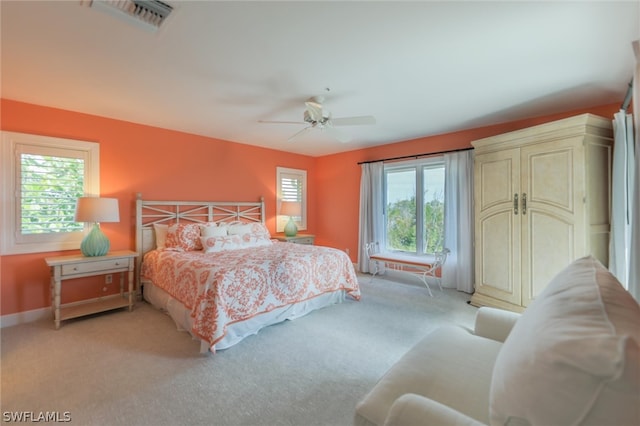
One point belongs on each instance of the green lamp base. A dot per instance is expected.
(290, 229)
(95, 243)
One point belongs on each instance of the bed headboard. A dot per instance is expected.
(153, 212)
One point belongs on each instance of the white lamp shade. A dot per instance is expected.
(290, 208)
(94, 209)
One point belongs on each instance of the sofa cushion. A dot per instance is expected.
(573, 357)
(411, 410)
(450, 365)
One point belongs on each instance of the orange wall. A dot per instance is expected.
(170, 165)
(161, 164)
(338, 176)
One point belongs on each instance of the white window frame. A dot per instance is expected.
(418, 165)
(11, 240)
(284, 173)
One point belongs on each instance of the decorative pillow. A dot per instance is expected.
(184, 237)
(238, 228)
(212, 229)
(261, 228)
(255, 240)
(161, 235)
(574, 355)
(216, 244)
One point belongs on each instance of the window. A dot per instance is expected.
(414, 206)
(291, 185)
(42, 177)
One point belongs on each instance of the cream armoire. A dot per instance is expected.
(542, 200)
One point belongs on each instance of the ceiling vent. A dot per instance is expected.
(149, 14)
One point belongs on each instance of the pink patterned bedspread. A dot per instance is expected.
(225, 287)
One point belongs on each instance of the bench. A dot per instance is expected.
(422, 267)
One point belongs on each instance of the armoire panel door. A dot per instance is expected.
(497, 177)
(549, 246)
(553, 232)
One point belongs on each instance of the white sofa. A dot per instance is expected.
(572, 358)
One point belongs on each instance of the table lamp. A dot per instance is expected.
(96, 210)
(291, 209)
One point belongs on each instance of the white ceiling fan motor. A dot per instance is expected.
(319, 118)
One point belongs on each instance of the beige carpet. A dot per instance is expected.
(135, 368)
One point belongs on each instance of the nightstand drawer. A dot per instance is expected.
(305, 240)
(99, 265)
(298, 239)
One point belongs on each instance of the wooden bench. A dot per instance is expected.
(423, 267)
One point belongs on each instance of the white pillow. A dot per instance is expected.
(574, 355)
(239, 228)
(161, 235)
(217, 244)
(255, 240)
(211, 229)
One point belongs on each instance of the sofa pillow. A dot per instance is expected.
(184, 237)
(573, 357)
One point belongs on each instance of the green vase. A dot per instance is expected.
(95, 243)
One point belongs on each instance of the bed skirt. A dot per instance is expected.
(237, 331)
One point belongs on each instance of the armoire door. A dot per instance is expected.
(497, 250)
(552, 211)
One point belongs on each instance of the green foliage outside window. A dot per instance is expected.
(50, 187)
(434, 226)
(401, 225)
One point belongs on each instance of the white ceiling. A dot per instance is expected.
(421, 68)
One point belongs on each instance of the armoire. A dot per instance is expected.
(541, 199)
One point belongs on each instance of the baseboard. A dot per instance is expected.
(25, 317)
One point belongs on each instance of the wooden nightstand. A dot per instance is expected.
(78, 266)
(298, 239)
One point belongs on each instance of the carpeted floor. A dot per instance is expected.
(135, 368)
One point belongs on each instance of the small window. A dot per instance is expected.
(291, 185)
(42, 179)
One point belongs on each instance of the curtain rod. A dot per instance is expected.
(415, 155)
(627, 98)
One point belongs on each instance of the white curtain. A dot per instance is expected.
(622, 196)
(633, 279)
(371, 205)
(458, 270)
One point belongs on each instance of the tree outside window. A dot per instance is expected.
(414, 207)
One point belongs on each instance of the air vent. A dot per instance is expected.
(150, 13)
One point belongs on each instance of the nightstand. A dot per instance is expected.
(78, 266)
(298, 239)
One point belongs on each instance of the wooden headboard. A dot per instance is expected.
(150, 212)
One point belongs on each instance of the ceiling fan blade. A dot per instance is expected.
(337, 134)
(354, 121)
(300, 133)
(281, 122)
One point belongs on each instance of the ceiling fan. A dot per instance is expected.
(318, 117)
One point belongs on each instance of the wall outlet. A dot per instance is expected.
(347, 250)
(108, 279)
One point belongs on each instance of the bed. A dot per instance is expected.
(213, 267)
